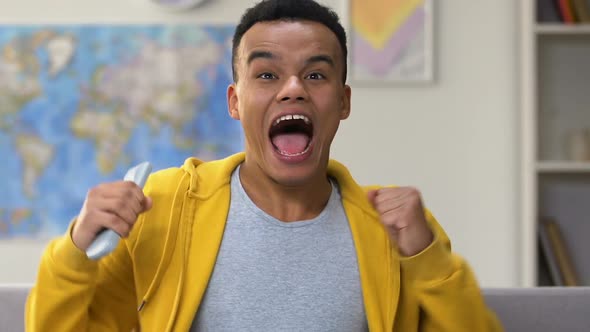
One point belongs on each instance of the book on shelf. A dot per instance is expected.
(555, 251)
(581, 10)
(548, 12)
(549, 256)
(563, 11)
(566, 11)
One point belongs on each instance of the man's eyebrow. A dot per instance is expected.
(271, 56)
(320, 58)
(260, 55)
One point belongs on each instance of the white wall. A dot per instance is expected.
(455, 139)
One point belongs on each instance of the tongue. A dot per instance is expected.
(292, 143)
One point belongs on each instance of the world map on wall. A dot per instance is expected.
(79, 105)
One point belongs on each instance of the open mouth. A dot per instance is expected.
(291, 134)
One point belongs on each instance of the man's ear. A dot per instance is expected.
(232, 101)
(345, 111)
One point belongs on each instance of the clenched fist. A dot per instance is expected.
(114, 205)
(402, 213)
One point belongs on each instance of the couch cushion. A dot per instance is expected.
(12, 307)
(541, 309)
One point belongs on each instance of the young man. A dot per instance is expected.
(278, 238)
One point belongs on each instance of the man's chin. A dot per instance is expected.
(294, 176)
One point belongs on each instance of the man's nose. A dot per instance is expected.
(293, 90)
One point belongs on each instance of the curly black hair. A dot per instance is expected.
(289, 10)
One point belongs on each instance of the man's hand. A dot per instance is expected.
(402, 214)
(113, 205)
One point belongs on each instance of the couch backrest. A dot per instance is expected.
(541, 309)
(544, 309)
(12, 307)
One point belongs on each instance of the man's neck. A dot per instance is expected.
(286, 203)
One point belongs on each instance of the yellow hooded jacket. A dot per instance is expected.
(155, 279)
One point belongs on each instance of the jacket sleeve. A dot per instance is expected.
(446, 289)
(74, 293)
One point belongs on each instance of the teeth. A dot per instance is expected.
(293, 117)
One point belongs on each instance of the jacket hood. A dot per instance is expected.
(218, 174)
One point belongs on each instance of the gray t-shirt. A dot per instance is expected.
(283, 276)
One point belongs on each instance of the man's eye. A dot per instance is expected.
(315, 76)
(266, 76)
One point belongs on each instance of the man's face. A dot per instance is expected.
(289, 98)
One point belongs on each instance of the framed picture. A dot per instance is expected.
(391, 41)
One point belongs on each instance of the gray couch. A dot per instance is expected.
(545, 309)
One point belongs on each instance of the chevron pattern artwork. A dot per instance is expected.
(391, 40)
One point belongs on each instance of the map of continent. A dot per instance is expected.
(81, 104)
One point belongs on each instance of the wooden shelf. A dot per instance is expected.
(563, 167)
(554, 78)
(562, 29)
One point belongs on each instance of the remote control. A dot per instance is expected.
(107, 240)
